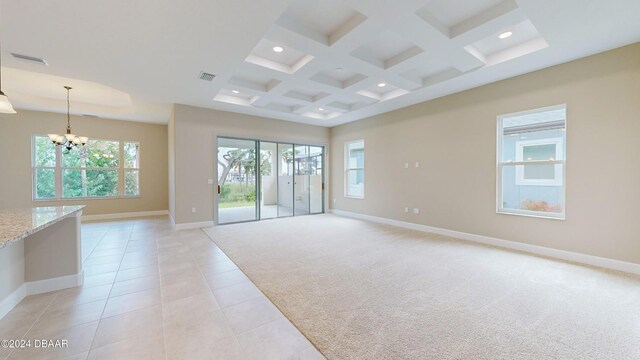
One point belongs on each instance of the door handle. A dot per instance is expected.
(218, 189)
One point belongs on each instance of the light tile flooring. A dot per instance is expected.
(154, 293)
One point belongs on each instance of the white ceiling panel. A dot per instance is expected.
(142, 56)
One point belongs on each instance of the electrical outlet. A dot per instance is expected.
(406, 165)
(417, 164)
(193, 210)
(416, 211)
(406, 209)
(210, 181)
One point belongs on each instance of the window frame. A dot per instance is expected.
(59, 169)
(562, 163)
(348, 169)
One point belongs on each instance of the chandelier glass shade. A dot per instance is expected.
(5, 105)
(68, 140)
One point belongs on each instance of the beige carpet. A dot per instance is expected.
(360, 290)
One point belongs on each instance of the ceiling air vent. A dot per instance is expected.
(36, 60)
(206, 76)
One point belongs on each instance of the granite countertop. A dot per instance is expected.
(17, 224)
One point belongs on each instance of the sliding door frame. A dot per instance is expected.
(322, 184)
(216, 202)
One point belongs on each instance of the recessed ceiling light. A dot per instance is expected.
(505, 34)
(382, 84)
(321, 109)
(278, 49)
(339, 69)
(235, 91)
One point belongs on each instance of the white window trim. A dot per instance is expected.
(58, 170)
(500, 164)
(558, 173)
(347, 169)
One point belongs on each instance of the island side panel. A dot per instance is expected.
(11, 276)
(54, 254)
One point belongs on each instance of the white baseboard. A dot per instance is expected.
(193, 225)
(606, 263)
(39, 287)
(12, 300)
(54, 284)
(126, 215)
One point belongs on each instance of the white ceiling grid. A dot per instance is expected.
(337, 54)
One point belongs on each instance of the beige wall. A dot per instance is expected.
(196, 131)
(454, 139)
(15, 156)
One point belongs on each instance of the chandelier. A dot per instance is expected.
(68, 140)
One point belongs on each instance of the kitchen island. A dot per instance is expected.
(40, 251)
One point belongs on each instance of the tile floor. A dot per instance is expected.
(154, 293)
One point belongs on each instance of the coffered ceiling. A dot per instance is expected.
(341, 60)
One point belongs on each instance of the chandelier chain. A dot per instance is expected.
(68, 107)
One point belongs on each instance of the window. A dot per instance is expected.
(531, 161)
(354, 169)
(91, 171)
(131, 168)
(102, 168)
(539, 150)
(44, 168)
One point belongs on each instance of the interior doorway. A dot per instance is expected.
(265, 180)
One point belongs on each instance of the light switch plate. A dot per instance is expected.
(416, 211)
(210, 181)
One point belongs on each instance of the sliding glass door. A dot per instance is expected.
(309, 183)
(265, 180)
(285, 180)
(316, 179)
(237, 185)
(268, 180)
(301, 180)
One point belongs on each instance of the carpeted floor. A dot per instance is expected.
(360, 290)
